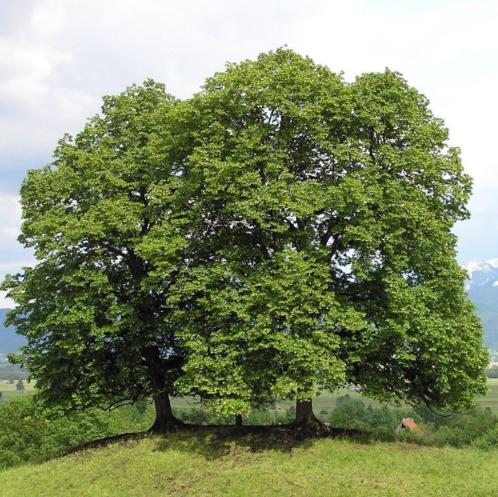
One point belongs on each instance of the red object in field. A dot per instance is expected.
(406, 424)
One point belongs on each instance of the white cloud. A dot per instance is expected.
(12, 257)
(58, 57)
(57, 64)
(5, 303)
(11, 217)
(444, 50)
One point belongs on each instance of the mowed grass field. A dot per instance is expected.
(195, 465)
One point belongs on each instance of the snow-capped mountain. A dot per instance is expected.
(482, 287)
(482, 273)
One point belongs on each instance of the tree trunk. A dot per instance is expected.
(306, 423)
(304, 411)
(238, 420)
(165, 421)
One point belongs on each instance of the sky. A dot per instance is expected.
(59, 57)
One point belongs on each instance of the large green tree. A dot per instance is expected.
(280, 232)
(93, 309)
(328, 207)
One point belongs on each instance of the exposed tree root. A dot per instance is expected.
(310, 428)
(163, 427)
(102, 442)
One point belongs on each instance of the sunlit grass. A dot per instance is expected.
(207, 465)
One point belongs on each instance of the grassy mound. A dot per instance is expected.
(196, 464)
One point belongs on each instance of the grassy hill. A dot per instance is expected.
(206, 465)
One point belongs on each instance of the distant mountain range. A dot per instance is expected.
(482, 287)
(10, 341)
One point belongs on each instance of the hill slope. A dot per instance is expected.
(187, 465)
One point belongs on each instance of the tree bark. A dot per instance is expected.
(165, 421)
(306, 423)
(304, 411)
(238, 420)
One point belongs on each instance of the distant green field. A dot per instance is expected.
(324, 402)
(327, 400)
(186, 465)
(491, 399)
(9, 391)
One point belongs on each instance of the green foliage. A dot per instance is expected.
(487, 441)
(92, 309)
(329, 208)
(350, 414)
(476, 427)
(26, 434)
(382, 421)
(465, 429)
(259, 417)
(279, 233)
(342, 399)
(201, 416)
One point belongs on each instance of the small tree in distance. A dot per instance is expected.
(279, 233)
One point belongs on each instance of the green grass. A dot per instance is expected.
(183, 465)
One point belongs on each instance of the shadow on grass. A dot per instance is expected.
(214, 442)
(218, 441)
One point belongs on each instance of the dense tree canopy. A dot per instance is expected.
(93, 310)
(280, 232)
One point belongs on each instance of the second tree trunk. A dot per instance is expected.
(164, 415)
